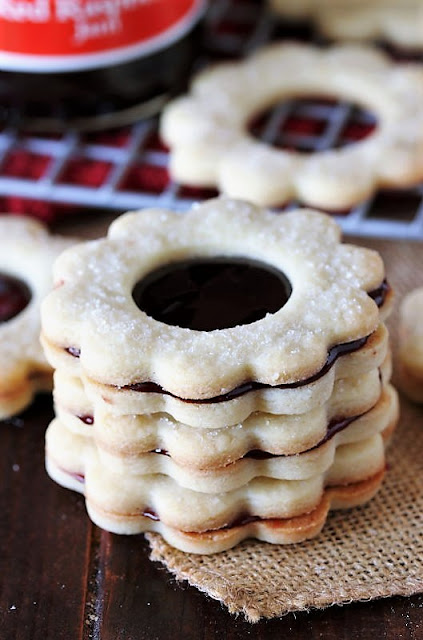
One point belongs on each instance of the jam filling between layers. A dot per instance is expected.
(379, 295)
(15, 295)
(252, 385)
(244, 519)
(335, 426)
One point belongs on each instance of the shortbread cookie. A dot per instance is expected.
(324, 300)
(26, 260)
(210, 144)
(411, 344)
(204, 447)
(128, 495)
(397, 21)
(127, 504)
(71, 451)
(260, 437)
(273, 530)
(235, 407)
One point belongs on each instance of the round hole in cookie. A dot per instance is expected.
(15, 295)
(310, 125)
(205, 294)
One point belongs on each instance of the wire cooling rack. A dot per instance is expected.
(126, 168)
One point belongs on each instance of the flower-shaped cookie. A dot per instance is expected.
(125, 312)
(395, 21)
(26, 260)
(210, 144)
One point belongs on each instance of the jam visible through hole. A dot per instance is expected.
(205, 294)
(306, 125)
(14, 296)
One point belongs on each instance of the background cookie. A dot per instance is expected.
(26, 260)
(210, 146)
(396, 21)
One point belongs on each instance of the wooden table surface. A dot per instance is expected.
(63, 578)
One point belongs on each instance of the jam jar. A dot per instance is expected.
(92, 64)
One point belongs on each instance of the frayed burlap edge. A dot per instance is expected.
(243, 600)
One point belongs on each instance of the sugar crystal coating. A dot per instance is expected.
(93, 309)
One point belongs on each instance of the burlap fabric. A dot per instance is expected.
(367, 552)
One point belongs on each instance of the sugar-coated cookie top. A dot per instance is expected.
(93, 311)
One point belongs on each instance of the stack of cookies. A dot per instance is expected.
(219, 375)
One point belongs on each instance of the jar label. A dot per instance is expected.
(72, 35)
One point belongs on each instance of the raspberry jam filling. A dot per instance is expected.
(380, 294)
(73, 351)
(212, 293)
(335, 426)
(86, 418)
(15, 295)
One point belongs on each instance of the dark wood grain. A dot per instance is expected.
(63, 579)
(45, 538)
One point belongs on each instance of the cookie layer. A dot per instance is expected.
(278, 401)
(92, 311)
(135, 498)
(71, 451)
(275, 531)
(204, 447)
